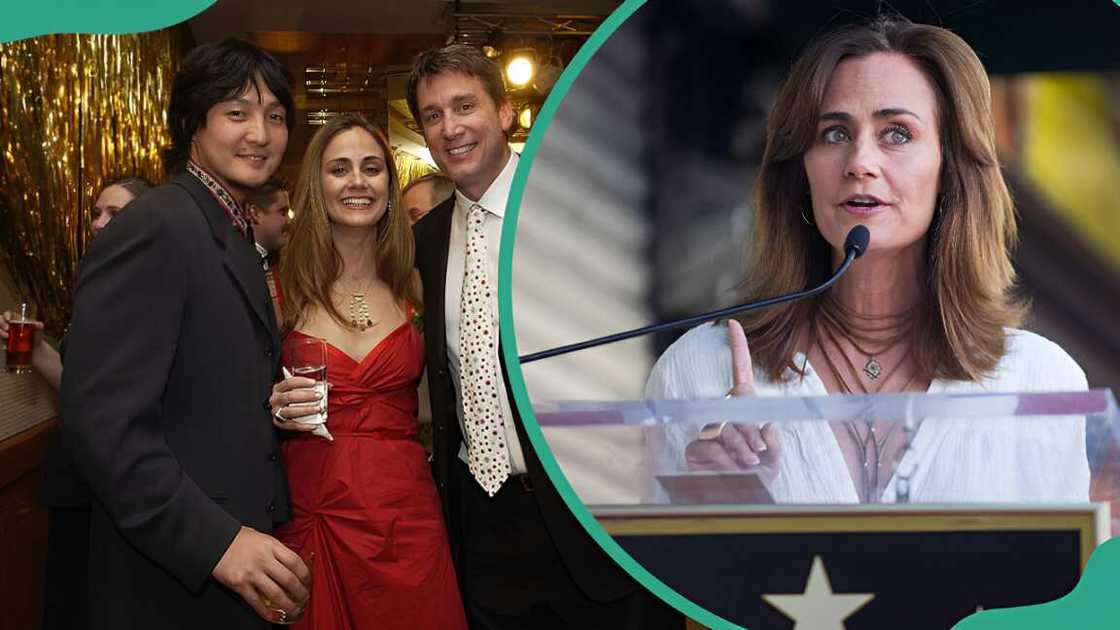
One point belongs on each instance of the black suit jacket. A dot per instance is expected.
(170, 360)
(596, 574)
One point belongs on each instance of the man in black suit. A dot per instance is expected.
(523, 559)
(170, 361)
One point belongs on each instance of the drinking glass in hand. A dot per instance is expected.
(307, 357)
(21, 336)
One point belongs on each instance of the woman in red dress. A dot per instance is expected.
(365, 503)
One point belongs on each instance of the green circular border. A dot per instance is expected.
(509, 339)
(111, 17)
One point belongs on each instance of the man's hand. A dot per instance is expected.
(270, 577)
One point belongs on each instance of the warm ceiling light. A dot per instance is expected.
(491, 52)
(520, 70)
(525, 117)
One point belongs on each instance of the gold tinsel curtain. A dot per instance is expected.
(75, 111)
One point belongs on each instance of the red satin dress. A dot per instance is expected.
(366, 503)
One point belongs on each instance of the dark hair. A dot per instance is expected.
(456, 58)
(133, 183)
(265, 194)
(970, 281)
(210, 74)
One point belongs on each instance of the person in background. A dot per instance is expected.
(112, 199)
(170, 358)
(424, 193)
(63, 492)
(117, 194)
(270, 211)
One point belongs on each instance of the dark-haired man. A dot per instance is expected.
(523, 559)
(170, 360)
(268, 208)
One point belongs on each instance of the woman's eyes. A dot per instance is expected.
(895, 134)
(369, 171)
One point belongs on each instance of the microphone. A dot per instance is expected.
(855, 244)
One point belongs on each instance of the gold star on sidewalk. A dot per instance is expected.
(818, 608)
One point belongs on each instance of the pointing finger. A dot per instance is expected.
(742, 371)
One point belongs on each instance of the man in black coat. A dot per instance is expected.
(524, 561)
(170, 361)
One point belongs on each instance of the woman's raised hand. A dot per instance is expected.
(734, 446)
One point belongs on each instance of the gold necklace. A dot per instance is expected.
(359, 308)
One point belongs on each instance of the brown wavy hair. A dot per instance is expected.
(311, 264)
(970, 277)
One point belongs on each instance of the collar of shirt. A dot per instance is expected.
(261, 250)
(222, 195)
(495, 197)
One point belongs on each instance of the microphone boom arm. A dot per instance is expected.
(851, 254)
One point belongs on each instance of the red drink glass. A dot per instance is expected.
(21, 337)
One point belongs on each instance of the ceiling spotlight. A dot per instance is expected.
(520, 69)
(491, 52)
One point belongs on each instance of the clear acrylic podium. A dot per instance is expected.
(993, 500)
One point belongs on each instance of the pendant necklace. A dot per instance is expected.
(860, 334)
(871, 446)
(359, 309)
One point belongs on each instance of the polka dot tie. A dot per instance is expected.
(487, 456)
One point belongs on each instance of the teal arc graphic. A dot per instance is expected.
(29, 18)
(509, 338)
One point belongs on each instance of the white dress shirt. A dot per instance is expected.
(494, 202)
(962, 461)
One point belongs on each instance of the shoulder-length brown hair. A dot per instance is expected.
(311, 264)
(970, 276)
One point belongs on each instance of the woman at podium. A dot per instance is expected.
(886, 124)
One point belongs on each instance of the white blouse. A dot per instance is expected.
(1033, 460)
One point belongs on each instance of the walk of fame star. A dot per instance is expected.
(818, 608)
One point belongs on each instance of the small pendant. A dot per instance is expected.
(359, 312)
(872, 368)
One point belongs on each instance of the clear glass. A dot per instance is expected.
(21, 340)
(1052, 449)
(307, 357)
